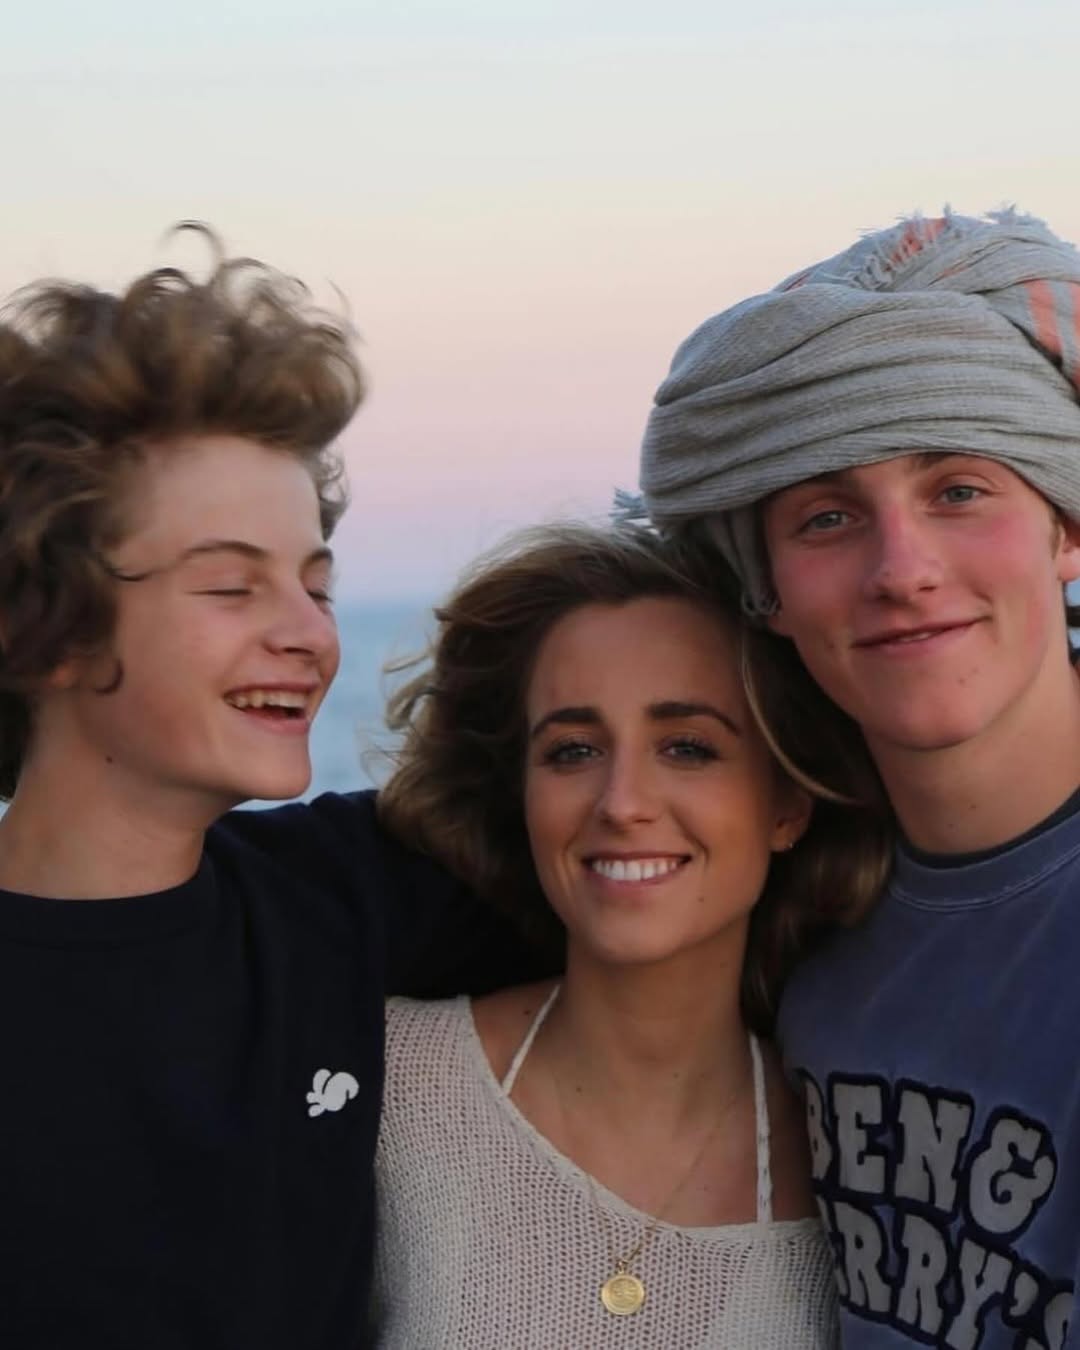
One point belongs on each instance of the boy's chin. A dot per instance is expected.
(270, 787)
(925, 735)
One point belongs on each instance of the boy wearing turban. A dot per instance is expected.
(887, 450)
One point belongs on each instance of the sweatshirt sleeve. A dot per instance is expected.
(437, 938)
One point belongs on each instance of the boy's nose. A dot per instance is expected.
(905, 558)
(301, 624)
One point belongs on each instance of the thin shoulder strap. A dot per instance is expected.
(761, 1116)
(523, 1049)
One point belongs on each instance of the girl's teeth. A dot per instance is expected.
(633, 869)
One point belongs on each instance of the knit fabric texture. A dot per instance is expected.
(489, 1239)
(956, 335)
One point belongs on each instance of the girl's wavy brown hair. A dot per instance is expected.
(89, 383)
(457, 790)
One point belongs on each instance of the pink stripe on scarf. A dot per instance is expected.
(915, 238)
(1044, 316)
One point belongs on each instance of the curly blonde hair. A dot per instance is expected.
(457, 791)
(89, 382)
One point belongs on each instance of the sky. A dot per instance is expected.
(525, 206)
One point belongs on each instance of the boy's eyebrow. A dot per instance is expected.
(205, 547)
(248, 550)
(920, 459)
(668, 710)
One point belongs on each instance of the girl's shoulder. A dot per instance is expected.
(503, 1019)
(425, 1040)
(435, 1046)
(414, 1019)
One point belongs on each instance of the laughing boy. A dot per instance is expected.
(191, 997)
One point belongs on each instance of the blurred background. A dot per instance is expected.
(526, 207)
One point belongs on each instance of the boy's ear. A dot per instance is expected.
(1068, 548)
(66, 675)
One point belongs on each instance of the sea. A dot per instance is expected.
(349, 743)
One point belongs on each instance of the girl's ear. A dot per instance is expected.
(796, 808)
(775, 622)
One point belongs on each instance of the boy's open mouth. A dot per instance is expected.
(284, 705)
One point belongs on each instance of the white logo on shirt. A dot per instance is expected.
(330, 1091)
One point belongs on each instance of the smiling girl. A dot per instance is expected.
(612, 1159)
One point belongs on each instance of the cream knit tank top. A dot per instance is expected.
(489, 1237)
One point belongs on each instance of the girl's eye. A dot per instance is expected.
(226, 590)
(690, 750)
(566, 754)
(321, 597)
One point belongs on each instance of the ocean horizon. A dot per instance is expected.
(349, 733)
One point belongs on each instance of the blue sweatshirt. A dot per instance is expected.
(936, 1045)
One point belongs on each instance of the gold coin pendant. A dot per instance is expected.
(622, 1294)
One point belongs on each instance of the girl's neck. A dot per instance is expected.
(664, 1040)
(638, 1063)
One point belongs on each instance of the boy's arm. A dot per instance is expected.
(442, 940)
(438, 939)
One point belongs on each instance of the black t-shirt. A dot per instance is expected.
(192, 1084)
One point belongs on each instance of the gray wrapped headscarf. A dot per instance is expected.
(953, 334)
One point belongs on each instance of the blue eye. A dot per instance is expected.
(825, 520)
(957, 494)
(690, 750)
(565, 754)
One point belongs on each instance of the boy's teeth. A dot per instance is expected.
(267, 698)
(633, 869)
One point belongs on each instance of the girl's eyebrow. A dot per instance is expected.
(673, 709)
(566, 716)
(668, 710)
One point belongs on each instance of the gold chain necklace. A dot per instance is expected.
(623, 1292)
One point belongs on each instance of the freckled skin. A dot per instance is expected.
(917, 542)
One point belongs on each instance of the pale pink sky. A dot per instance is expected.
(527, 205)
